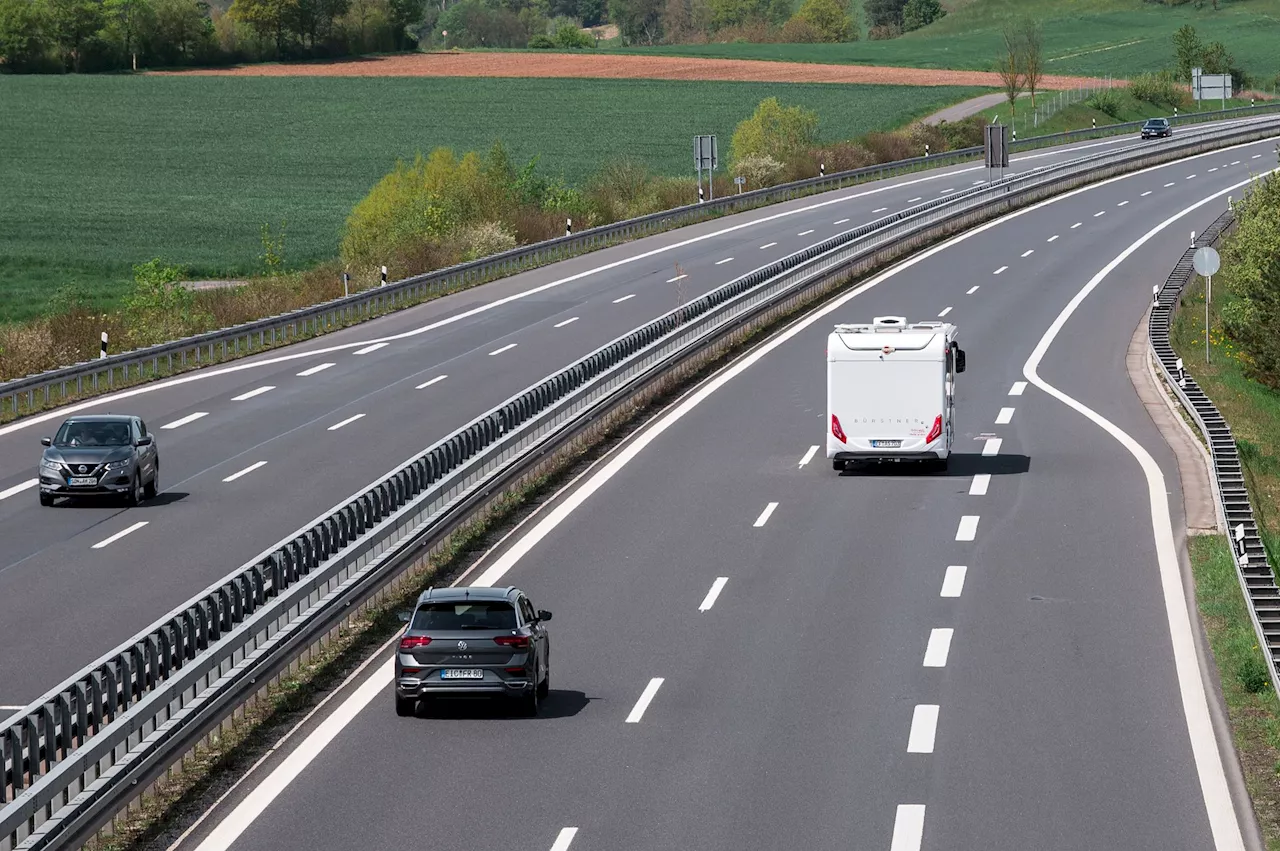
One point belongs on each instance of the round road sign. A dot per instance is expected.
(1206, 262)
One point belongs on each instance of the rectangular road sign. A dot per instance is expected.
(705, 153)
(995, 140)
(1210, 86)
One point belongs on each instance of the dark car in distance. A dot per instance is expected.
(100, 455)
(1156, 127)
(473, 642)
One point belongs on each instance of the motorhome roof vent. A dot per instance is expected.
(897, 321)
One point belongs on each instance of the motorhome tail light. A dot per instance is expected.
(520, 642)
(936, 431)
(836, 429)
(888, 350)
(413, 642)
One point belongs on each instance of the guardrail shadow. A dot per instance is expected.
(962, 464)
(560, 703)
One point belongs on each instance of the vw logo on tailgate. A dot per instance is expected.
(462, 645)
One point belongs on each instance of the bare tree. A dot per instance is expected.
(1032, 58)
(1010, 66)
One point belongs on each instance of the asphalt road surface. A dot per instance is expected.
(750, 650)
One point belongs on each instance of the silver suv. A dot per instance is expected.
(473, 642)
(100, 455)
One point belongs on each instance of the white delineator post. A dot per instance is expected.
(103, 352)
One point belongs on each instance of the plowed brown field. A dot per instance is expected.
(459, 64)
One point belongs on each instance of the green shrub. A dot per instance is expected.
(568, 36)
(966, 133)
(760, 170)
(1252, 672)
(1251, 275)
(1159, 89)
(541, 42)
(1106, 100)
(829, 17)
(785, 133)
(482, 239)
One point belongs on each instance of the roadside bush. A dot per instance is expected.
(480, 239)
(1106, 100)
(1159, 89)
(785, 133)
(760, 170)
(844, 156)
(160, 309)
(966, 133)
(1252, 673)
(1251, 274)
(887, 147)
(921, 134)
(569, 36)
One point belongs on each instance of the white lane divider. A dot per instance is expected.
(1005, 416)
(669, 281)
(801, 233)
(768, 245)
(947, 191)
(1076, 225)
(998, 271)
(508, 347)
(924, 728)
(1167, 185)
(913, 200)
(908, 828)
(1145, 194)
(992, 446)
(878, 210)
(347, 421)
(1028, 252)
(764, 515)
(246, 471)
(646, 697)
(1255, 156)
(1235, 162)
(968, 529)
(724, 261)
(844, 221)
(1052, 238)
(1100, 213)
(243, 396)
(1122, 203)
(564, 838)
(944, 312)
(370, 348)
(953, 580)
(972, 290)
(624, 298)
(573, 319)
(1191, 177)
(190, 418)
(424, 385)
(1212, 170)
(1017, 388)
(118, 535)
(939, 646)
(716, 588)
(808, 456)
(981, 481)
(313, 370)
(18, 488)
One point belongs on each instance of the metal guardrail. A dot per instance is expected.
(21, 396)
(1256, 576)
(75, 756)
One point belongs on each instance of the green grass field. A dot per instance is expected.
(102, 172)
(1082, 37)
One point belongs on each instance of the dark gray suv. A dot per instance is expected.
(100, 455)
(473, 642)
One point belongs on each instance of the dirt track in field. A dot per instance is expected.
(460, 64)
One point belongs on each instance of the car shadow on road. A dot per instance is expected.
(114, 505)
(560, 703)
(961, 464)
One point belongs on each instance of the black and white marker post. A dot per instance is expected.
(384, 276)
(568, 227)
(103, 352)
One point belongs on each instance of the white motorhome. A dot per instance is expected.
(891, 391)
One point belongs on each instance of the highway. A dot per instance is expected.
(252, 450)
(753, 651)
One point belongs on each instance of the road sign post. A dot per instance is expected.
(1206, 262)
(739, 181)
(705, 156)
(995, 143)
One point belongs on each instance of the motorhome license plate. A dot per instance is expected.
(88, 480)
(462, 674)
(886, 444)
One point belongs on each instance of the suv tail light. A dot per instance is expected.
(412, 642)
(519, 642)
(936, 431)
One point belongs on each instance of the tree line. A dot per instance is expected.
(49, 36)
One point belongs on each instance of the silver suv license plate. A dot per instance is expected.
(462, 674)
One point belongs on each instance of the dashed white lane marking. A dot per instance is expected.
(998, 271)
(18, 488)
(727, 259)
(839, 221)
(669, 281)
(1005, 416)
(572, 319)
(313, 370)
(564, 838)
(992, 446)
(981, 481)
(1017, 388)
(246, 471)
(118, 535)
(972, 290)
(1255, 156)
(424, 385)
(953, 580)
(764, 515)
(347, 421)
(768, 245)
(808, 456)
(913, 200)
(978, 182)
(624, 298)
(1145, 194)
(716, 588)
(1052, 238)
(508, 347)
(924, 728)
(252, 393)
(1167, 185)
(1191, 177)
(947, 191)
(1100, 213)
(190, 418)
(370, 348)
(1028, 252)
(935, 652)
(801, 233)
(1122, 203)
(1212, 170)
(908, 828)
(646, 697)
(968, 529)
(944, 312)
(1076, 225)
(1235, 162)
(879, 209)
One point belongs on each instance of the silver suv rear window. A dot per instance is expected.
(464, 614)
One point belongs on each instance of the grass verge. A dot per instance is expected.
(1081, 116)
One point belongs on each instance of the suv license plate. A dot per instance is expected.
(75, 482)
(886, 444)
(462, 674)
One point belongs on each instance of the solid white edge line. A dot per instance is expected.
(908, 828)
(646, 697)
(808, 456)
(573, 319)
(347, 421)
(938, 648)
(313, 370)
(924, 728)
(764, 515)
(992, 446)
(246, 471)
(968, 528)
(118, 535)
(245, 396)
(1005, 416)
(1211, 772)
(1017, 388)
(710, 599)
(953, 580)
(981, 481)
(189, 418)
(564, 838)
(424, 385)
(18, 488)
